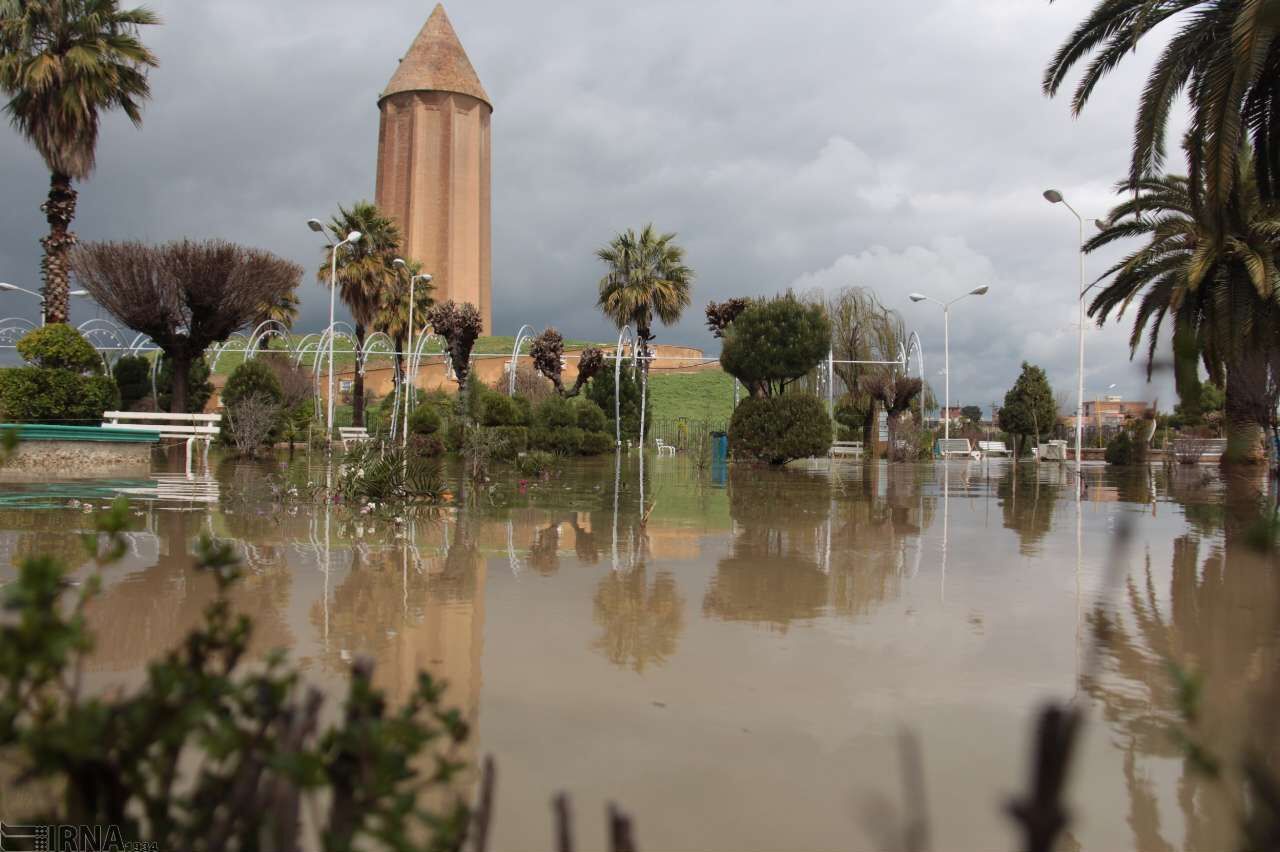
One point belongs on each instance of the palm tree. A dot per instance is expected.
(1225, 56)
(647, 276)
(1215, 279)
(282, 309)
(365, 272)
(393, 308)
(63, 63)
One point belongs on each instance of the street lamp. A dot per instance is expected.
(413, 279)
(6, 287)
(352, 238)
(1055, 197)
(946, 348)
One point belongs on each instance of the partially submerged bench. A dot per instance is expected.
(852, 449)
(948, 447)
(191, 427)
(352, 435)
(1195, 450)
(993, 448)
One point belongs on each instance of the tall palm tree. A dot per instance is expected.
(62, 64)
(393, 308)
(1214, 278)
(647, 277)
(1225, 57)
(365, 273)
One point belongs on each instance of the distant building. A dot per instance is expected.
(1110, 412)
(433, 164)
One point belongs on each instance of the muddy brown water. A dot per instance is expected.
(733, 660)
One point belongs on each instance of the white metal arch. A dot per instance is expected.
(525, 331)
(263, 330)
(629, 336)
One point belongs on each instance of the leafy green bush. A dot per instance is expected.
(58, 346)
(133, 376)
(370, 773)
(536, 463)
(499, 410)
(39, 395)
(424, 420)
(590, 417)
(780, 428)
(773, 343)
(428, 446)
(377, 472)
(596, 443)
(555, 413)
(249, 379)
(561, 440)
(1120, 449)
(510, 441)
(600, 391)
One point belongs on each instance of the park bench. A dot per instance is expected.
(852, 449)
(190, 427)
(1193, 450)
(664, 448)
(352, 435)
(947, 447)
(993, 448)
(1052, 451)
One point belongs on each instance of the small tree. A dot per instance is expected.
(720, 315)
(460, 326)
(1029, 409)
(548, 359)
(895, 394)
(773, 343)
(972, 413)
(183, 295)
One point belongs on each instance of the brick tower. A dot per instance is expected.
(433, 164)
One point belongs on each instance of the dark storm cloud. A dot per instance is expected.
(806, 144)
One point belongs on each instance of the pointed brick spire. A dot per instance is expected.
(437, 63)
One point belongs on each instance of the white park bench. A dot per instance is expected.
(664, 448)
(948, 447)
(352, 435)
(1053, 451)
(993, 448)
(853, 449)
(192, 427)
(1194, 450)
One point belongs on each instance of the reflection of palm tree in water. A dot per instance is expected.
(544, 552)
(1220, 621)
(641, 621)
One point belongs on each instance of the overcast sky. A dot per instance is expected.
(801, 144)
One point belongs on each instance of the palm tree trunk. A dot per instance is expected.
(357, 384)
(1246, 378)
(59, 209)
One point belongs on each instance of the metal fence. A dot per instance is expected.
(685, 433)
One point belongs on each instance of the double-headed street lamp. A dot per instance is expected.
(946, 348)
(352, 238)
(14, 287)
(1055, 197)
(413, 279)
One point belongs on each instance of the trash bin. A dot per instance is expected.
(719, 446)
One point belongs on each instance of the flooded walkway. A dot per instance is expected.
(733, 661)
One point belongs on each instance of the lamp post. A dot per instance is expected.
(413, 279)
(946, 348)
(1055, 197)
(352, 238)
(6, 287)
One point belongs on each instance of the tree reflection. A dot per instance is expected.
(640, 621)
(1219, 619)
(811, 548)
(1027, 504)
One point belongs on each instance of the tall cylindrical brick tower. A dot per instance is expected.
(433, 164)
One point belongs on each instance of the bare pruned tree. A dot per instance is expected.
(590, 363)
(547, 350)
(459, 325)
(183, 295)
(720, 315)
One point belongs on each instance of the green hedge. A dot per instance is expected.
(39, 395)
(58, 346)
(512, 440)
(780, 428)
(133, 376)
(424, 420)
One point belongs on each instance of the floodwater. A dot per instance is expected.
(733, 655)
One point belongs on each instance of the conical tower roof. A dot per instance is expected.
(436, 62)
